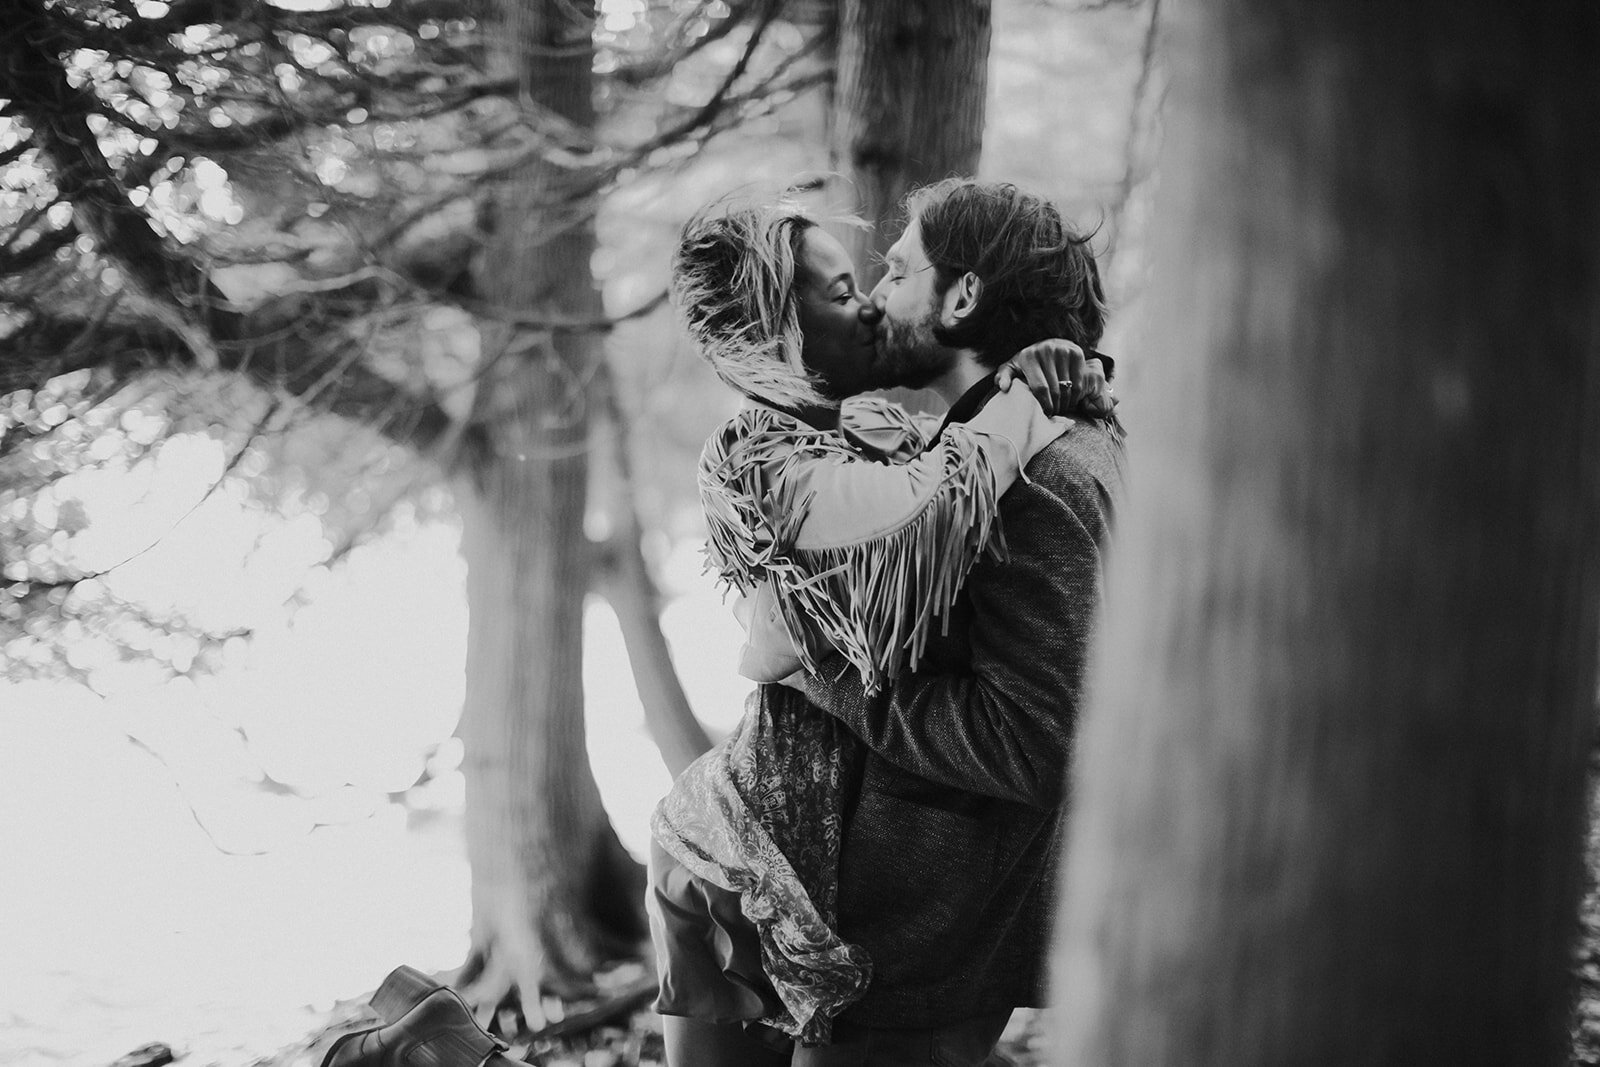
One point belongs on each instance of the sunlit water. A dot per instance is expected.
(152, 891)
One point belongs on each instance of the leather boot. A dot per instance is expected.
(438, 1031)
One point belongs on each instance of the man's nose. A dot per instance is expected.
(877, 297)
(870, 313)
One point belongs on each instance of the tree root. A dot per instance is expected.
(499, 1002)
(623, 1002)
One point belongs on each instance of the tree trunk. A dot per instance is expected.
(908, 104)
(1329, 801)
(554, 894)
(628, 588)
(625, 582)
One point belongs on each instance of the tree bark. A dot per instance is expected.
(1330, 798)
(554, 894)
(908, 104)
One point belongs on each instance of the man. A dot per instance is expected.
(951, 844)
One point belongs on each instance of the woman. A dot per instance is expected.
(843, 527)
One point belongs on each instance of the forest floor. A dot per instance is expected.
(97, 977)
(631, 1037)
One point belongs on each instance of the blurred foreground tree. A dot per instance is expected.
(382, 212)
(1329, 802)
(908, 105)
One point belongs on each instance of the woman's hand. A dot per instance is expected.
(1060, 378)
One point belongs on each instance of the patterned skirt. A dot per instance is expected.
(761, 816)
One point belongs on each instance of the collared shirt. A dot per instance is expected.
(971, 402)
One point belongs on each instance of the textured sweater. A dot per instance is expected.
(953, 832)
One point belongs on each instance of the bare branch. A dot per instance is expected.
(713, 106)
(700, 127)
(228, 468)
(181, 326)
(1136, 116)
(557, 323)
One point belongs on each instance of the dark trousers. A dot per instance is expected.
(967, 1043)
(960, 1044)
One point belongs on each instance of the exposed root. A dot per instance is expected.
(623, 1002)
(523, 979)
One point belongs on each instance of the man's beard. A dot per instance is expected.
(910, 356)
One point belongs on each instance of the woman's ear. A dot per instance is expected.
(961, 299)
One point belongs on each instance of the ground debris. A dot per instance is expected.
(154, 1054)
(617, 1029)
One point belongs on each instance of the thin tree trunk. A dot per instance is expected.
(554, 894)
(625, 582)
(627, 586)
(1329, 801)
(908, 104)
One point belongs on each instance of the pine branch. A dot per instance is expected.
(48, 347)
(645, 71)
(33, 78)
(173, 314)
(17, 261)
(15, 152)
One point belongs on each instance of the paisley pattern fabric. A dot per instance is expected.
(761, 815)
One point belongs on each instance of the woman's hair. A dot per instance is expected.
(733, 282)
(1038, 273)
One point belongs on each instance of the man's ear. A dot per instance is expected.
(961, 299)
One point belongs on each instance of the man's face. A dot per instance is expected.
(908, 353)
(837, 322)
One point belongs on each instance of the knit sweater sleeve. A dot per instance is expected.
(859, 555)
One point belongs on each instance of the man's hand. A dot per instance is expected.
(1061, 379)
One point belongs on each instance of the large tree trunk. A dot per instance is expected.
(554, 894)
(1329, 800)
(908, 104)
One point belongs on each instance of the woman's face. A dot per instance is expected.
(837, 321)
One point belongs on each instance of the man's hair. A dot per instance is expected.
(1039, 278)
(733, 281)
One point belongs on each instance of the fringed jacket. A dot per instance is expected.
(857, 540)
